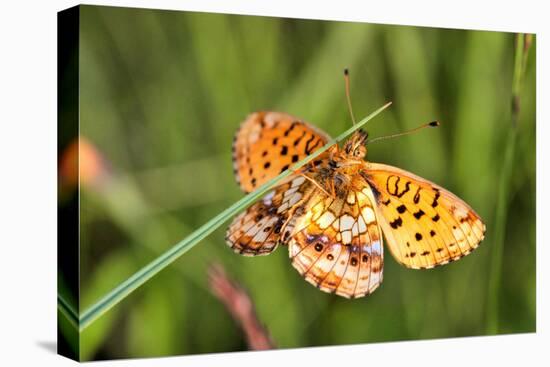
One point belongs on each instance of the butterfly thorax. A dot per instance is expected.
(340, 171)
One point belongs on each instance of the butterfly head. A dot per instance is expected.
(355, 146)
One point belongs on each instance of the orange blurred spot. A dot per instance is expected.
(81, 156)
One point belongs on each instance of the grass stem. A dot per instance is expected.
(67, 310)
(501, 210)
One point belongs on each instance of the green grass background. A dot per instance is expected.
(161, 96)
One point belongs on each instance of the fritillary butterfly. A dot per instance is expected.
(332, 213)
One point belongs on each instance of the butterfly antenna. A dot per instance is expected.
(429, 124)
(348, 98)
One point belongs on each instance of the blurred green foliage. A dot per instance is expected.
(162, 94)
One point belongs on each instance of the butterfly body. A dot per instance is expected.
(332, 212)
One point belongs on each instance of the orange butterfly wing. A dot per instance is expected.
(259, 229)
(337, 244)
(267, 143)
(424, 224)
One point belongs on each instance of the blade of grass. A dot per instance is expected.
(148, 271)
(67, 310)
(501, 211)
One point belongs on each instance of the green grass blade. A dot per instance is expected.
(501, 211)
(147, 272)
(67, 310)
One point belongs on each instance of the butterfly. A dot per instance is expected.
(332, 212)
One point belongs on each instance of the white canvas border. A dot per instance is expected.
(28, 157)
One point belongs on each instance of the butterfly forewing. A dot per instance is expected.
(424, 224)
(268, 143)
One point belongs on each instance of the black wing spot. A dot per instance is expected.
(284, 150)
(418, 236)
(264, 153)
(330, 257)
(309, 141)
(297, 141)
(318, 247)
(266, 165)
(432, 233)
(284, 168)
(275, 141)
(286, 236)
(396, 223)
(295, 158)
(435, 218)
(416, 198)
(294, 123)
(419, 214)
(434, 203)
(353, 261)
(425, 253)
(394, 191)
(401, 209)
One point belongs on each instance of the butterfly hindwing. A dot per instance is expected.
(267, 143)
(424, 224)
(337, 244)
(258, 230)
